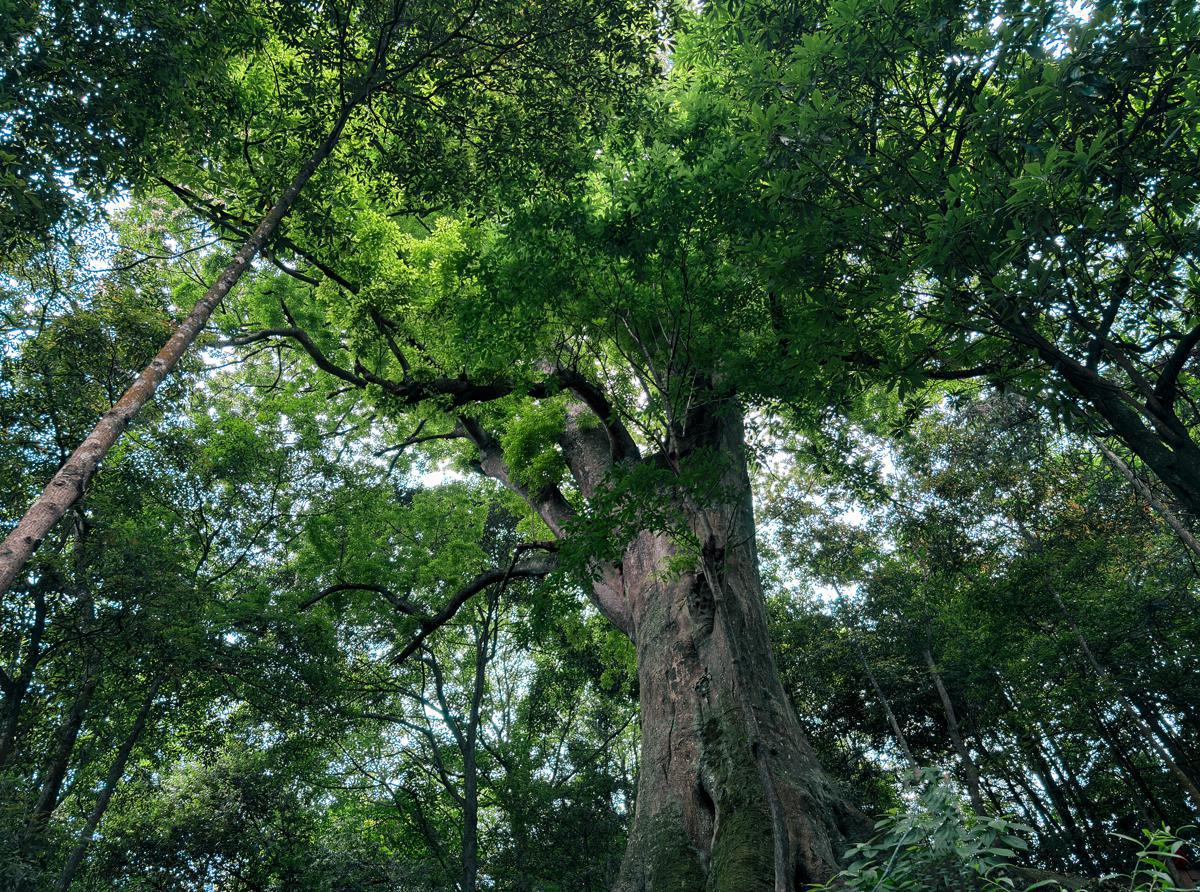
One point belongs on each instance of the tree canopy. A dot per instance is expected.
(599, 445)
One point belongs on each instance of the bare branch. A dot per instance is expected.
(1166, 389)
(301, 337)
(430, 624)
(400, 603)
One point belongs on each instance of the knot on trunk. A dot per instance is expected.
(702, 607)
(707, 585)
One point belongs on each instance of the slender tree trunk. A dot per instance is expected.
(1147, 794)
(63, 746)
(989, 790)
(484, 649)
(68, 484)
(1160, 507)
(1031, 750)
(1062, 805)
(15, 689)
(1120, 753)
(1174, 460)
(970, 772)
(1151, 714)
(10, 720)
(1018, 784)
(1089, 823)
(901, 740)
(1107, 681)
(115, 772)
(724, 761)
(521, 880)
(470, 835)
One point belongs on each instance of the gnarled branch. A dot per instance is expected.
(430, 624)
(399, 602)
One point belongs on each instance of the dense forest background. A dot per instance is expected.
(631, 446)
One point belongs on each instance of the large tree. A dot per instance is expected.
(469, 264)
(579, 346)
(581, 350)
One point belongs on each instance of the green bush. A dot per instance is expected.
(936, 844)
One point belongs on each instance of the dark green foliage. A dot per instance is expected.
(92, 95)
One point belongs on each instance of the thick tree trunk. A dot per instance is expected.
(728, 785)
(1172, 456)
(730, 795)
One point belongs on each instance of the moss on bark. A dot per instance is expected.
(661, 858)
(742, 846)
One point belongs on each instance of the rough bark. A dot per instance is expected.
(68, 484)
(730, 795)
(725, 767)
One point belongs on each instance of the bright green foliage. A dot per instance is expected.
(934, 845)
(202, 536)
(529, 445)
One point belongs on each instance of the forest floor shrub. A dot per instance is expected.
(934, 843)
